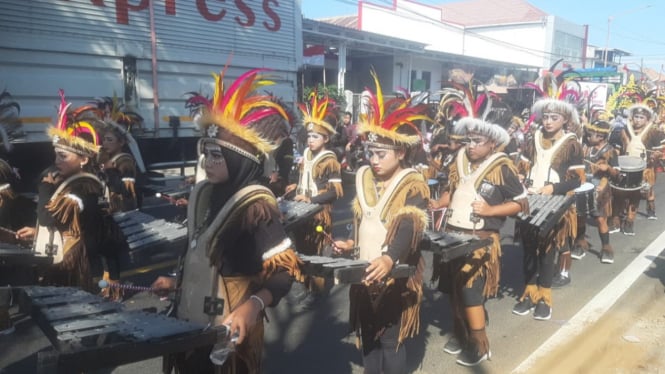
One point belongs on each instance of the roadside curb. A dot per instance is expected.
(598, 305)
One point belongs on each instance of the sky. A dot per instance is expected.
(633, 26)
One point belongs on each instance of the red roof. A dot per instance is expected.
(350, 22)
(470, 13)
(490, 12)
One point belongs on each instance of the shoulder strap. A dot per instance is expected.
(73, 178)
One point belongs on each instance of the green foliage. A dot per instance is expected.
(331, 90)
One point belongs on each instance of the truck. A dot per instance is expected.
(148, 53)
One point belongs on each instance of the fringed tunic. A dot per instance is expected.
(375, 307)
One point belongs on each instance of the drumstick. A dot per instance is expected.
(105, 284)
(166, 197)
(319, 228)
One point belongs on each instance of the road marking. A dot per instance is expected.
(598, 305)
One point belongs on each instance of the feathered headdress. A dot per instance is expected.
(237, 111)
(114, 110)
(459, 101)
(632, 96)
(9, 118)
(315, 112)
(560, 93)
(385, 121)
(120, 121)
(600, 126)
(75, 129)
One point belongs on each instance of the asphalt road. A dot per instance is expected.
(318, 341)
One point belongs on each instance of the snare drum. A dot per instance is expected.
(585, 199)
(631, 176)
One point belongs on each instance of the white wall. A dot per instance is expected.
(528, 43)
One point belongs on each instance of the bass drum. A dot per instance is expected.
(631, 174)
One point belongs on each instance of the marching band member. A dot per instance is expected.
(70, 221)
(484, 189)
(552, 165)
(320, 182)
(641, 138)
(389, 220)
(15, 211)
(119, 169)
(120, 158)
(239, 257)
(601, 162)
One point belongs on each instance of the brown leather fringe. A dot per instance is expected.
(410, 324)
(565, 229)
(129, 186)
(308, 241)
(562, 157)
(261, 210)
(531, 291)
(66, 210)
(545, 294)
(604, 197)
(649, 176)
(413, 214)
(326, 167)
(287, 260)
(7, 195)
(489, 267)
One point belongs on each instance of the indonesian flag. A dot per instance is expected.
(314, 55)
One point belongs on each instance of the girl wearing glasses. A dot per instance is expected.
(484, 189)
(389, 220)
(552, 165)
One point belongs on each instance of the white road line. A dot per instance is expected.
(598, 305)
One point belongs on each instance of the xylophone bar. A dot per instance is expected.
(545, 211)
(295, 213)
(90, 333)
(343, 270)
(452, 245)
(146, 234)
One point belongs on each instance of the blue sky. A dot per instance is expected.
(634, 25)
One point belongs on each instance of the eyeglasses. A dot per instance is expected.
(552, 117)
(476, 141)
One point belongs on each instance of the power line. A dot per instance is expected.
(438, 23)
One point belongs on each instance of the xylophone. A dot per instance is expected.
(452, 245)
(344, 270)
(17, 255)
(89, 333)
(146, 234)
(545, 211)
(296, 212)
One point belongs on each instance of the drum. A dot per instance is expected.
(433, 185)
(585, 199)
(631, 174)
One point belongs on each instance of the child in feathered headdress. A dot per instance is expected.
(389, 220)
(239, 257)
(70, 220)
(319, 182)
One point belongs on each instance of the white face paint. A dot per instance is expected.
(215, 164)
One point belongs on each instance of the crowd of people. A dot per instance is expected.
(486, 163)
